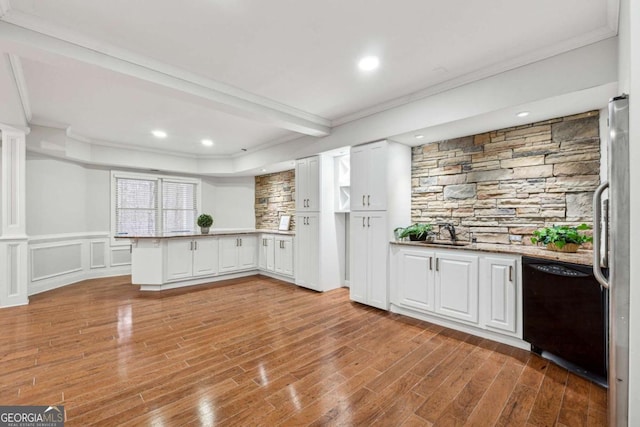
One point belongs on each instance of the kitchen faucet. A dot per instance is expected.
(451, 229)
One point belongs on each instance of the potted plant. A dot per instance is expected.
(204, 222)
(415, 232)
(562, 238)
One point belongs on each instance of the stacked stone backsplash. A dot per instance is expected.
(502, 185)
(275, 196)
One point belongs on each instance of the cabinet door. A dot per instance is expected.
(307, 255)
(302, 174)
(262, 252)
(228, 254)
(377, 260)
(248, 252)
(415, 279)
(313, 184)
(377, 176)
(301, 258)
(456, 286)
(499, 290)
(359, 253)
(179, 259)
(284, 256)
(205, 256)
(359, 176)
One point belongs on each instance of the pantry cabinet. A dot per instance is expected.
(307, 251)
(369, 243)
(369, 176)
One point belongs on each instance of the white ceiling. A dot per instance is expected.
(254, 73)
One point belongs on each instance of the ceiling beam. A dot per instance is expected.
(25, 30)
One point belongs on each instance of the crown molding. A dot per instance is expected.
(27, 29)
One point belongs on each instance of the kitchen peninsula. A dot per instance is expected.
(174, 260)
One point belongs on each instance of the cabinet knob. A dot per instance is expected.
(430, 263)
(368, 221)
(437, 269)
(369, 200)
(363, 221)
(511, 273)
(363, 200)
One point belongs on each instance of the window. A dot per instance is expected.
(149, 205)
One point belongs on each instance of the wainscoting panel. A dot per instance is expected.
(98, 254)
(63, 259)
(55, 260)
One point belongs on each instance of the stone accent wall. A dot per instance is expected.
(503, 185)
(275, 196)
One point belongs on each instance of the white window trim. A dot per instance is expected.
(158, 177)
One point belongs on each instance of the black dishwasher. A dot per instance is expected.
(566, 316)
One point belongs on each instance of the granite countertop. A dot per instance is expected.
(212, 233)
(583, 256)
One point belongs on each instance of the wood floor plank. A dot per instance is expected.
(257, 351)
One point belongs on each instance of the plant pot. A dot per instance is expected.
(568, 247)
(415, 238)
(204, 230)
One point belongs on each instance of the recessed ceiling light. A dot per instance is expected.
(264, 170)
(159, 133)
(523, 114)
(419, 136)
(369, 63)
(207, 142)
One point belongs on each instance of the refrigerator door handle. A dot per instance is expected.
(597, 234)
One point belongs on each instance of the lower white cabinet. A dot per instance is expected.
(275, 254)
(187, 258)
(307, 257)
(237, 253)
(499, 284)
(456, 285)
(369, 257)
(478, 291)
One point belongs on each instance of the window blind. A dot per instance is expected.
(136, 207)
(179, 206)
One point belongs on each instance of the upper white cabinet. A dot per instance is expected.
(186, 258)
(369, 174)
(308, 184)
(499, 281)
(237, 253)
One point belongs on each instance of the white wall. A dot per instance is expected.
(231, 201)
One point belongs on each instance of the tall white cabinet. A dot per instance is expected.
(380, 202)
(318, 240)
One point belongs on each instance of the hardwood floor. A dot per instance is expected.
(257, 351)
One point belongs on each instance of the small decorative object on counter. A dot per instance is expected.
(562, 238)
(415, 232)
(204, 222)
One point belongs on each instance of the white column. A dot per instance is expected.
(13, 238)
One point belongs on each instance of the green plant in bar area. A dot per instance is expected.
(205, 221)
(561, 235)
(415, 231)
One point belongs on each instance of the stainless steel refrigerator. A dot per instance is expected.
(611, 250)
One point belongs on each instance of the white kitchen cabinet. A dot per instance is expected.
(276, 254)
(187, 258)
(472, 291)
(283, 257)
(499, 287)
(307, 251)
(237, 253)
(308, 184)
(369, 174)
(456, 286)
(369, 258)
(413, 279)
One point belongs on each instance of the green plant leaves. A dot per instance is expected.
(417, 230)
(560, 235)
